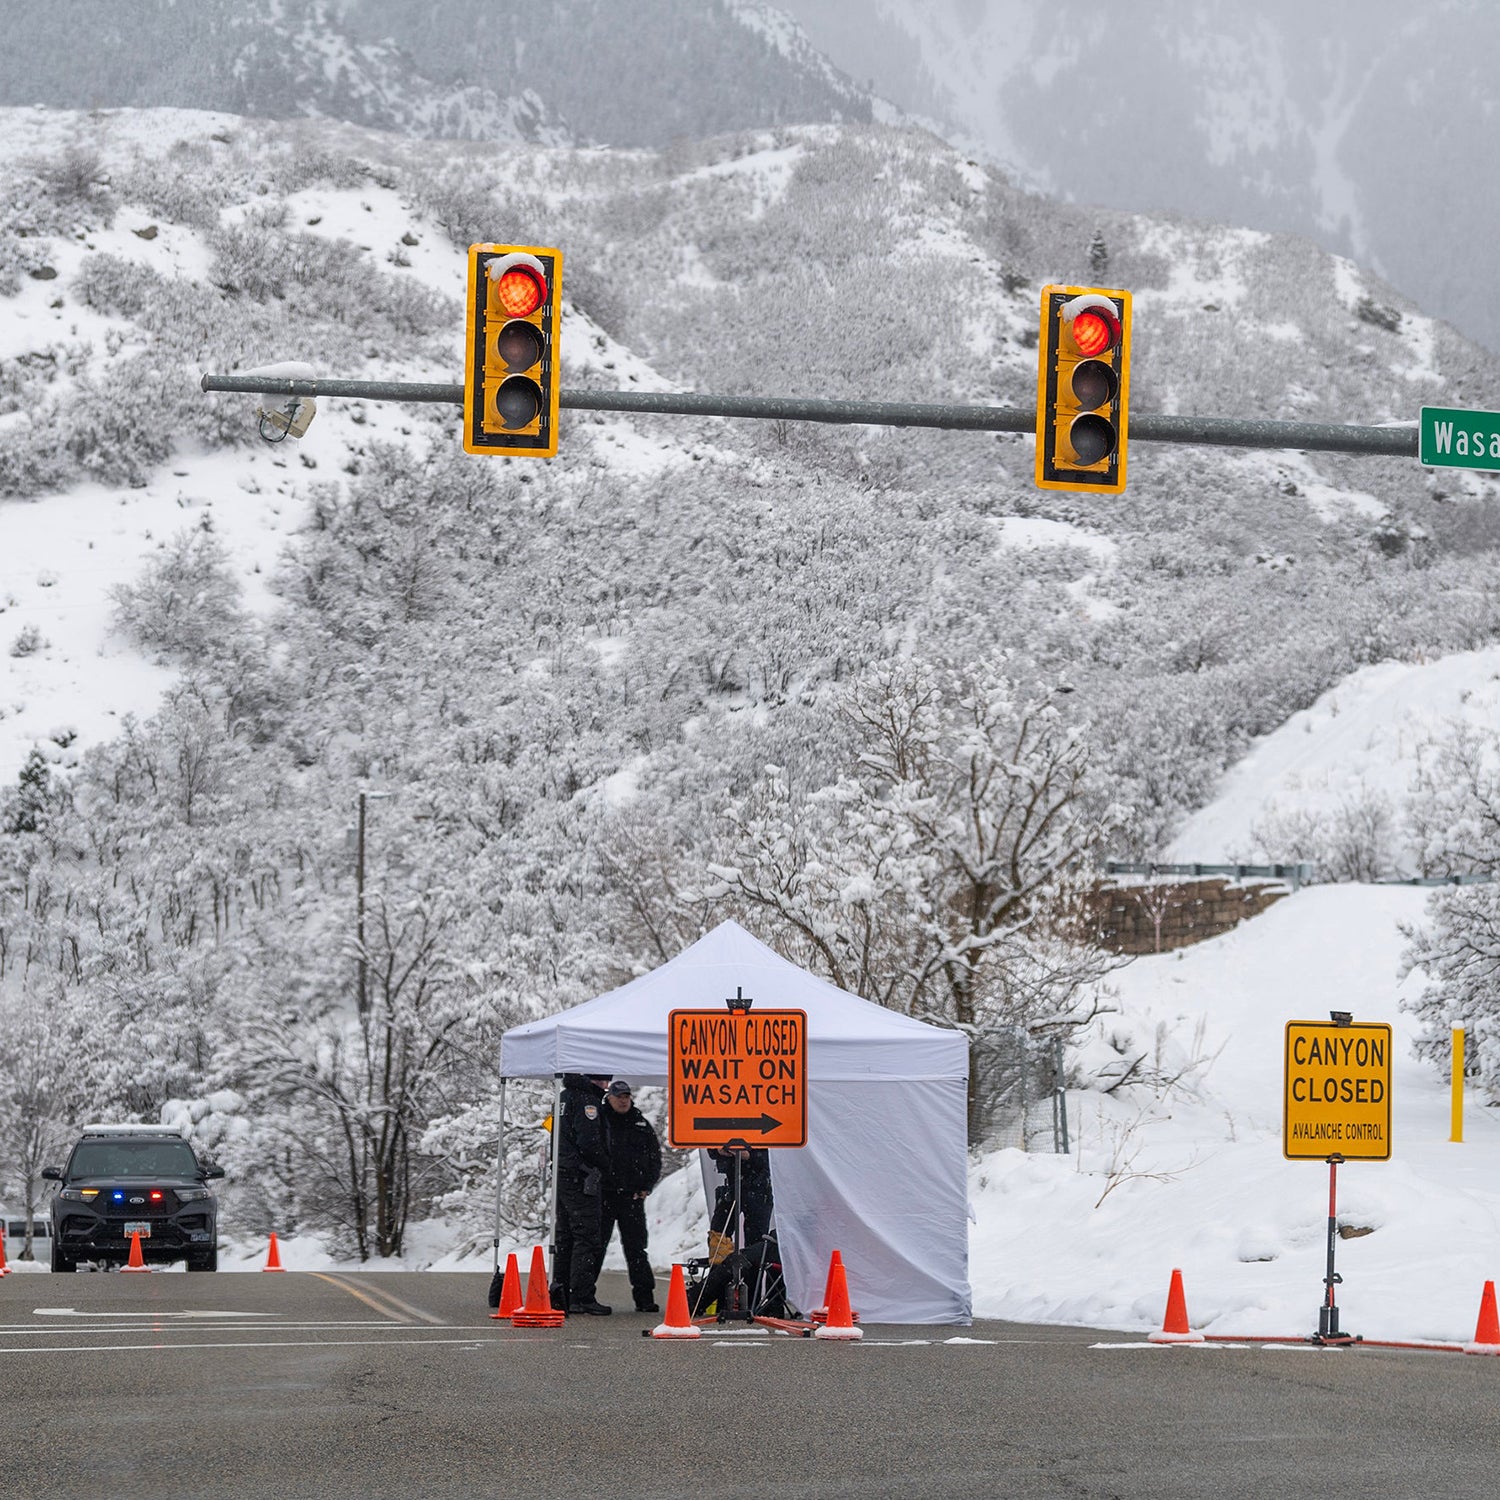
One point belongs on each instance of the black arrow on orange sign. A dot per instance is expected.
(762, 1123)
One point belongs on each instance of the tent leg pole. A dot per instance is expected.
(499, 1174)
(552, 1200)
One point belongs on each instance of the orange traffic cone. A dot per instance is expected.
(840, 1320)
(4, 1269)
(273, 1256)
(1174, 1326)
(819, 1314)
(510, 1289)
(538, 1311)
(678, 1323)
(1487, 1334)
(137, 1261)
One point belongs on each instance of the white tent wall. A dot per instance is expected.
(883, 1177)
(885, 1189)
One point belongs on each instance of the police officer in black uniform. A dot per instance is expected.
(582, 1162)
(634, 1169)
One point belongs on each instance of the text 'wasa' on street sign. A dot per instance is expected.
(1453, 439)
(738, 1074)
(1338, 1090)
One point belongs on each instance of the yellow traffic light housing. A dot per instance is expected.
(1083, 389)
(512, 362)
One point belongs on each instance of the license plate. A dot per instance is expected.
(143, 1229)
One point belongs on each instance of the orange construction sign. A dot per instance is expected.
(737, 1075)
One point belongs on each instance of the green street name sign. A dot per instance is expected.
(1459, 439)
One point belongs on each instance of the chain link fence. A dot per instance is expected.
(1022, 1091)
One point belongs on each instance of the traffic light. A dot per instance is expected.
(512, 363)
(1083, 389)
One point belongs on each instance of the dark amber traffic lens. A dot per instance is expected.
(519, 345)
(1094, 384)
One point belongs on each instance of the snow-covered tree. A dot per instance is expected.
(1458, 952)
(34, 1128)
(1454, 816)
(936, 874)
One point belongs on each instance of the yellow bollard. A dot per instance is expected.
(1458, 1084)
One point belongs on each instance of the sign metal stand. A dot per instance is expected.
(1328, 1314)
(737, 1294)
(1337, 1107)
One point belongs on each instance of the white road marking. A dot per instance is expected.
(294, 1326)
(73, 1312)
(414, 1337)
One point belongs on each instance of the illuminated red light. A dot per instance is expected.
(520, 291)
(156, 1195)
(1094, 331)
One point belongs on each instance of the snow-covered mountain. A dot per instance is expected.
(1364, 127)
(1368, 127)
(580, 70)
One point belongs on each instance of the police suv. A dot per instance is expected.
(124, 1180)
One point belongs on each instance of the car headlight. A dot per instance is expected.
(79, 1195)
(191, 1195)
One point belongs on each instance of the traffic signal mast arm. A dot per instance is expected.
(1217, 432)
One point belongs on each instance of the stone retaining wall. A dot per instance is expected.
(1159, 916)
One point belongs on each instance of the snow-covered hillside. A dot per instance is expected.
(1361, 742)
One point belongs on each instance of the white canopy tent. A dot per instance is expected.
(883, 1177)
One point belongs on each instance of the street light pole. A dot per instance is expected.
(363, 996)
(359, 908)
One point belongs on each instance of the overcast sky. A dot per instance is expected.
(1366, 125)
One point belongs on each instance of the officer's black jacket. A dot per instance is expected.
(582, 1145)
(634, 1151)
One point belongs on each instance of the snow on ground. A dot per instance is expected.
(1363, 736)
(1032, 533)
(1027, 533)
(1198, 1181)
(769, 171)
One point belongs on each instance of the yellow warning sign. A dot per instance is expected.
(1337, 1090)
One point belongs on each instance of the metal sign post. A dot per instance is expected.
(1328, 1314)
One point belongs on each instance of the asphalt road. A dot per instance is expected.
(401, 1385)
